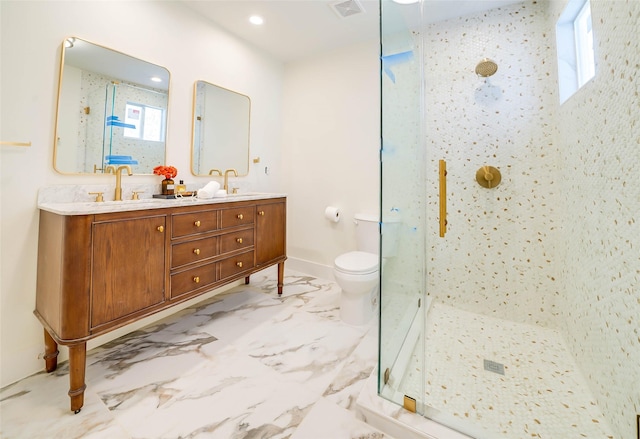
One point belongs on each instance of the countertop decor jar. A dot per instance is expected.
(169, 173)
(168, 186)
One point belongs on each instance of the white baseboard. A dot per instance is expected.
(311, 268)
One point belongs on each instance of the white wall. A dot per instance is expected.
(164, 33)
(331, 144)
(314, 125)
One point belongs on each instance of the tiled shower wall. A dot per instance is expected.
(599, 172)
(498, 256)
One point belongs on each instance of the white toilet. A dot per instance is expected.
(357, 273)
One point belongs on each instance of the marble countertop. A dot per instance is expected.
(93, 207)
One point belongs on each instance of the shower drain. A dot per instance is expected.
(494, 367)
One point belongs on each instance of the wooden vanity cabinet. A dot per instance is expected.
(127, 267)
(99, 272)
(271, 233)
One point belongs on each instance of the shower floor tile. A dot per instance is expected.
(541, 394)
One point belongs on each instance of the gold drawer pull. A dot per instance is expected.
(196, 251)
(261, 213)
(239, 264)
(160, 229)
(239, 240)
(196, 279)
(240, 216)
(197, 223)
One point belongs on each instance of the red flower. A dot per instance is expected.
(165, 171)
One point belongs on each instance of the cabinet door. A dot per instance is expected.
(128, 267)
(270, 232)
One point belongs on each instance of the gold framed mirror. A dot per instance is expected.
(112, 109)
(221, 130)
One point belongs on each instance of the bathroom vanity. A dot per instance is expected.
(102, 266)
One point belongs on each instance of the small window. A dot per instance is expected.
(574, 40)
(148, 122)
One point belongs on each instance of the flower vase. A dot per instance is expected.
(168, 186)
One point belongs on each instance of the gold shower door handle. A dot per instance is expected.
(443, 197)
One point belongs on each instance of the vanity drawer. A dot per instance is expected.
(191, 223)
(238, 216)
(193, 251)
(236, 240)
(189, 280)
(236, 264)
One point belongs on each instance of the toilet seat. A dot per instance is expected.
(357, 262)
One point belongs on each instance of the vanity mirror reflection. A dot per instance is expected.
(221, 123)
(112, 109)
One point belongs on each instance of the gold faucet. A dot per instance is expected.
(111, 169)
(215, 171)
(226, 178)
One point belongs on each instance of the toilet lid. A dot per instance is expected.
(357, 263)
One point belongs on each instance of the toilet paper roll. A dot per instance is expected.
(332, 214)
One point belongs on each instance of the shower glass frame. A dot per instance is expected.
(403, 204)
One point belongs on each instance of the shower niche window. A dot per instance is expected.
(574, 40)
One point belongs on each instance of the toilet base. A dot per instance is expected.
(357, 310)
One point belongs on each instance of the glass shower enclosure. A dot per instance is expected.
(509, 281)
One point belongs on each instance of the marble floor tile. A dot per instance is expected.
(244, 364)
(350, 380)
(343, 424)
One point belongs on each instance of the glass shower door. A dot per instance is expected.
(402, 208)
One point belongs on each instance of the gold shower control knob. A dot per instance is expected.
(488, 176)
(196, 251)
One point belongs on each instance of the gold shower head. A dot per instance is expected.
(486, 68)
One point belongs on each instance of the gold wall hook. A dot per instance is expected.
(488, 176)
(15, 143)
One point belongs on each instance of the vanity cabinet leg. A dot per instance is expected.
(50, 352)
(77, 365)
(246, 280)
(280, 277)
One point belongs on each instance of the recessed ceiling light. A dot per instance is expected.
(256, 19)
(156, 79)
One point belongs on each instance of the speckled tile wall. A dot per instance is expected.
(497, 257)
(600, 193)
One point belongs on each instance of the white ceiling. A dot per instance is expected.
(292, 29)
(295, 29)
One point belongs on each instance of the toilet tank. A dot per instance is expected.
(367, 233)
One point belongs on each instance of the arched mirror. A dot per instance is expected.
(112, 109)
(221, 120)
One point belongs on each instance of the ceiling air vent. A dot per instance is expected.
(347, 8)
